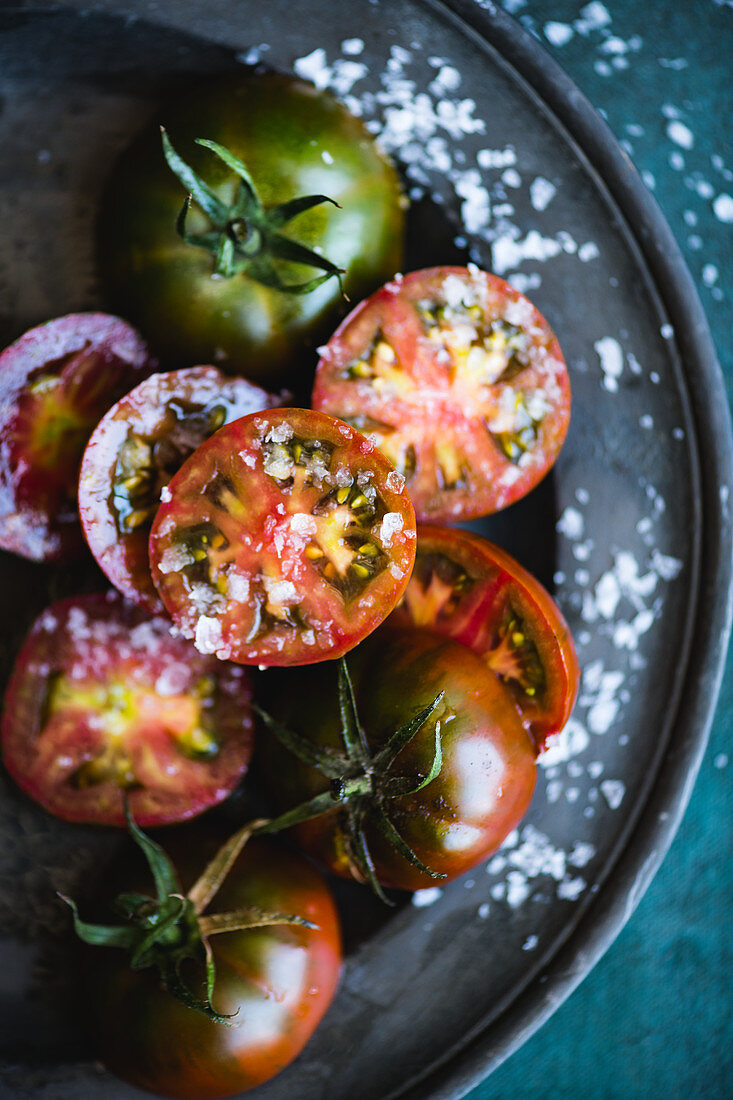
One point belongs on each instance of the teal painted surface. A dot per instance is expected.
(653, 1019)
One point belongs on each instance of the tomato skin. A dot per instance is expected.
(295, 140)
(262, 598)
(495, 587)
(470, 435)
(145, 414)
(280, 980)
(488, 773)
(56, 381)
(103, 700)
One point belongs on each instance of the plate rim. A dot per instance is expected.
(658, 820)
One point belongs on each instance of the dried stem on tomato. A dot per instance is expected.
(171, 927)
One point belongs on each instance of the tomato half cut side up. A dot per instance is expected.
(132, 455)
(286, 538)
(459, 381)
(104, 702)
(468, 589)
(56, 381)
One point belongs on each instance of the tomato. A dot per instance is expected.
(284, 539)
(55, 382)
(293, 139)
(459, 381)
(465, 588)
(275, 981)
(104, 702)
(455, 789)
(132, 455)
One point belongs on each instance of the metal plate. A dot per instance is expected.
(508, 167)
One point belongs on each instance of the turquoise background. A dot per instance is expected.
(653, 1019)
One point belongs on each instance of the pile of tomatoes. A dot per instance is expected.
(245, 533)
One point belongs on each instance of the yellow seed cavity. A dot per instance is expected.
(449, 463)
(360, 369)
(384, 352)
(132, 482)
(136, 518)
(197, 740)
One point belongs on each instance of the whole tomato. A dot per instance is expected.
(415, 770)
(272, 981)
(294, 141)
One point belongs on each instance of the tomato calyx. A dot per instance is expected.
(361, 783)
(245, 235)
(171, 928)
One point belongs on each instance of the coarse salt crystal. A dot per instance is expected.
(391, 524)
(303, 524)
(208, 634)
(174, 558)
(237, 587)
(279, 433)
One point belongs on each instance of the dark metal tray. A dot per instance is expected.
(509, 166)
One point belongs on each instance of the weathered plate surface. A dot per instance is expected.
(631, 530)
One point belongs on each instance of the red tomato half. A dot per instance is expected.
(103, 701)
(466, 588)
(459, 381)
(132, 455)
(56, 381)
(285, 539)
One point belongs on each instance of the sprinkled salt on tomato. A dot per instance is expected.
(134, 452)
(55, 382)
(459, 381)
(287, 539)
(104, 702)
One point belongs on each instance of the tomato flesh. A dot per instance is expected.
(459, 381)
(468, 589)
(286, 539)
(132, 455)
(56, 381)
(104, 703)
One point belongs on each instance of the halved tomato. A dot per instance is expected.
(132, 455)
(465, 588)
(284, 539)
(104, 702)
(56, 381)
(459, 381)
